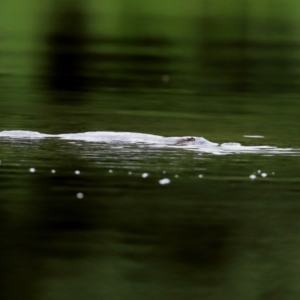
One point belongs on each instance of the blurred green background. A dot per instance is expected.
(217, 69)
(152, 62)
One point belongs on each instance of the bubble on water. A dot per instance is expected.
(165, 78)
(77, 172)
(79, 195)
(258, 171)
(129, 173)
(252, 176)
(164, 172)
(164, 181)
(53, 171)
(32, 170)
(273, 173)
(264, 174)
(176, 176)
(110, 171)
(200, 176)
(145, 175)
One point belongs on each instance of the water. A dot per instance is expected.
(83, 213)
(98, 201)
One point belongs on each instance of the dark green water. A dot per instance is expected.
(85, 223)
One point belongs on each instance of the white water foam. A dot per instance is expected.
(23, 134)
(254, 136)
(200, 144)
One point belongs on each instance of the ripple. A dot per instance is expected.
(119, 140)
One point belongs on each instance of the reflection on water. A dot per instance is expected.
(235, 57)
(66, 43)
(196, 237)
(213, 64)
(212, 53)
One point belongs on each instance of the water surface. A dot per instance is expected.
(96, 199)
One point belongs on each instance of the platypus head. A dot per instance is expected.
(186, 141)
